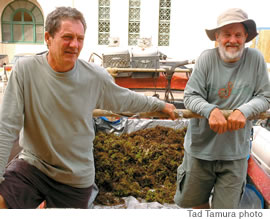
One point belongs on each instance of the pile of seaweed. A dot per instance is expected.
(142, 164)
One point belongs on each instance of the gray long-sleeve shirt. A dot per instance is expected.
(242, 85)
(55, 111)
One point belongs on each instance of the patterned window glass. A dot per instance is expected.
(134, 22)
(17, 36)
(6, 32)
(22, 22)
(39, 33)
(103, 22)
(28, 33)
(164, 22)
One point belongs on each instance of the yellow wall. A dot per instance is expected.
(262, 42)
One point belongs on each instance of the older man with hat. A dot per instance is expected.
(216, 148)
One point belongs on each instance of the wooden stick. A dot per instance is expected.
(179, 113)
(115, 70)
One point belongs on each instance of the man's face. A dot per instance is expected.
(231, 39)
(66, 45)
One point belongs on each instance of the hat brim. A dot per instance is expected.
(249, 24)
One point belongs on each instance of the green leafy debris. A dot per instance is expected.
(142, 164)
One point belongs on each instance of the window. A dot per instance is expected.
(164, 22)
(22, 21)
(103, 22)
(134, 22)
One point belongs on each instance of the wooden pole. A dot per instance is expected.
(179, 113)
(116, 70)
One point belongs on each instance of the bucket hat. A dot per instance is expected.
(234, 15)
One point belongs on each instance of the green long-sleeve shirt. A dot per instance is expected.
(55, 111)
(242, 85)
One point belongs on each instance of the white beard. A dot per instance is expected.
(230, 56)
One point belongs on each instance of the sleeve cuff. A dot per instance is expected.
(244, 110)
(207, 110)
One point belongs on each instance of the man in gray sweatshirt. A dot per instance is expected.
(216, 149)
(50, 98)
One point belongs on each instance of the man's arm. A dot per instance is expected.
(11, 119)
(120, 99)
(260, 101)
(196, 93)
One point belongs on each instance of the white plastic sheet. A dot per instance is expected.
(125, 125)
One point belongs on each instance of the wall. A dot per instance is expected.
(262, 42)
(188, 22)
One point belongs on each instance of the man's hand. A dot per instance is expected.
(236, 120)
(169, 109)
(217, 121)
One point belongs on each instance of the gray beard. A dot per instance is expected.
(228, 56)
